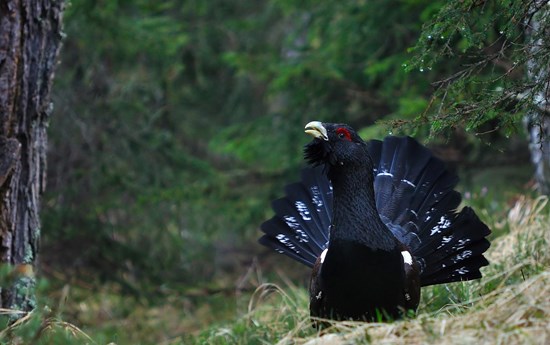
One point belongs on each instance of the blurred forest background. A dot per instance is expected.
(177, 122)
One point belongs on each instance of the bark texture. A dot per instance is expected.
(537, 121)
(30, 38)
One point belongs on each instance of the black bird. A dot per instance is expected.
(376, 220)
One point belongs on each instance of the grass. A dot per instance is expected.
(510, 305)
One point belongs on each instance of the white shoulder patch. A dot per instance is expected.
(406, 257)
(323, 254)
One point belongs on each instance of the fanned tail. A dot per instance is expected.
(416, 199)
(455, 253)
(301, 223)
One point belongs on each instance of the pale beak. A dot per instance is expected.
(317, 130)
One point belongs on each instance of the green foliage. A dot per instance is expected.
(341, 61)
(177, 123)
(182, 120)
(143, 89)
(486, 90)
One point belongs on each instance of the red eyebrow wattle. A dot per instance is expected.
(345, 132)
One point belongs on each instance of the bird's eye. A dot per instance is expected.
(343, 133)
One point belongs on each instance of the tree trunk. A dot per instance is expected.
(30, 36)
(537, 121)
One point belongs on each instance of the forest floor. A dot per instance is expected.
(509, 305)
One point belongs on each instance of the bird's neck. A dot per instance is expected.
(355, 216)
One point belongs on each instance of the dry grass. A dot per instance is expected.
(48, 328)
(512, 315)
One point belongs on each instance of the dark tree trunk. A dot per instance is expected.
(537, 121)
(30, 36)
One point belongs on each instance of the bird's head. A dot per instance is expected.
(334, 144)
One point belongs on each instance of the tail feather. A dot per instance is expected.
(453, 232)
(287, 237)
(411, 186)
(457, 252)
(433, 185)
(298, 200)
(320, 190)
(466, 270)
(416, 199)
(296, 216)
(291, 251)
(301, 223)
(436, 221)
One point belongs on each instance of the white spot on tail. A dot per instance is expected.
(409, 183)
(462, 256)
(286, 242)
(461, 244)
(291, 222)
(443, 223)
(385, 173)
(301, 236)
(407, 258)
(316, 197)
(323, 254)
(445, 240)
(302, 209)
(462, 270)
